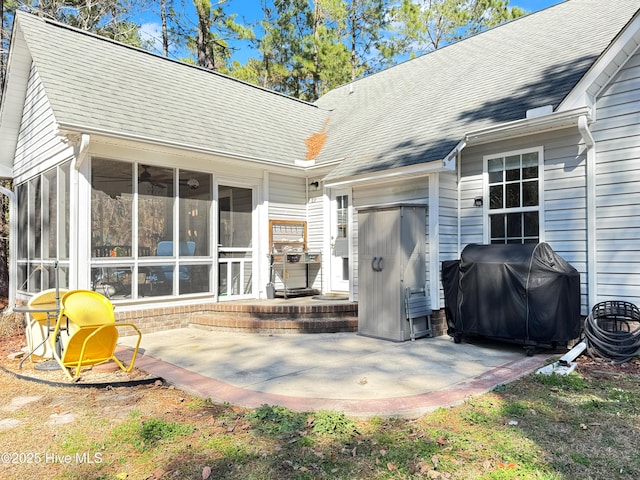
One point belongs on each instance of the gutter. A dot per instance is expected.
(70, 130)
(527, 126)
(592, 257)
(381, 176)
(517, 128)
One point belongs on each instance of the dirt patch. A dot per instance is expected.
(595, 366)
(12, 352)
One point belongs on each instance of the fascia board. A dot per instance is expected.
(421, 169)
(68, 129)
(13, 98)
(605, 68)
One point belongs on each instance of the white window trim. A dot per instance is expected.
(485, 190)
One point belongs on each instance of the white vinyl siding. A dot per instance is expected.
(617, 135)
(287, 201)
(38, 145)
(315, 234)
(563, 199)
(287, 198)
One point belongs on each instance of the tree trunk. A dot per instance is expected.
(165, 33)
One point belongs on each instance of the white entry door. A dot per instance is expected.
(340, 234)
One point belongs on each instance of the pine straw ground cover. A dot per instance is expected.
(583, 426)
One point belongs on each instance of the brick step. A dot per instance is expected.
(318, 317)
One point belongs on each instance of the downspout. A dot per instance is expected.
(453, 161)
(592, 257)
(13, 236)
(458, 206)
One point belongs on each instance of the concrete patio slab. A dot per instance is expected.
(359, 375)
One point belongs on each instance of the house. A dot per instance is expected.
(160, 184)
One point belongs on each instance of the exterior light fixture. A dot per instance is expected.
(477, 202)
(314, 185)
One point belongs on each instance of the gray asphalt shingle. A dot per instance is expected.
(413, 113)
(94, 83)
(418, 111)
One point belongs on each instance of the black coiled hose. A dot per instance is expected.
(612, 330)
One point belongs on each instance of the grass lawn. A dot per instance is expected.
(583, 426)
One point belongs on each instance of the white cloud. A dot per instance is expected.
(151, 35)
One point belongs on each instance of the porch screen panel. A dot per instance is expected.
(64, 182)
(22, 249)
(195, 191)
(155, 209)
(236, 206)
(50, 222)
(35, 217)
(111, 208)
(23, 221)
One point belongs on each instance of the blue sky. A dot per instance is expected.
(249, 11)
(249, 8)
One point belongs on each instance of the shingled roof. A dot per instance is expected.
(418, 111)
(97, 85)
(413, 113)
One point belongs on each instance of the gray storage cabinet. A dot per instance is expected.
(391, 258)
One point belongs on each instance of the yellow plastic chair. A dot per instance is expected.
(93, 332)
(39, 323)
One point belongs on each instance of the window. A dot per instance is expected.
(513, 184)
(342, 209)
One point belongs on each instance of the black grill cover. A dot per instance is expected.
(515, 292)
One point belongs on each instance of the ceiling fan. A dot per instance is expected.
(145, 176)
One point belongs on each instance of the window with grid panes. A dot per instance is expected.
(514, 198)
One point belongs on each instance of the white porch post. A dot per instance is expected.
(80, 230)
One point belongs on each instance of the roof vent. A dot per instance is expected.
(540, 111)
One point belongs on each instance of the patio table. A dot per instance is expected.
(52, 311)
